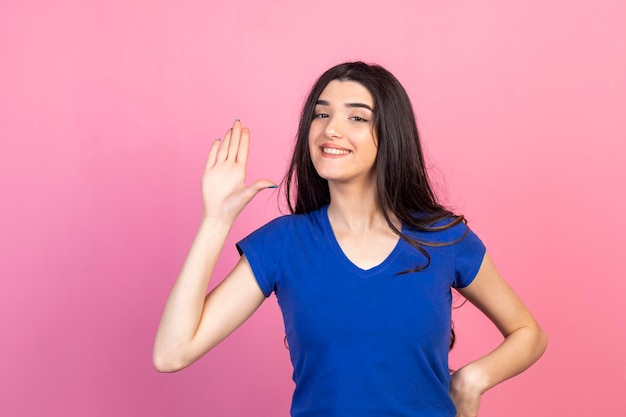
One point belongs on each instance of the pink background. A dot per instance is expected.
(107, 110)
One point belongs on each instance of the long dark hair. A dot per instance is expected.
(403, 186)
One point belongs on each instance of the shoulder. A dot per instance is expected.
(279, 226)
(279, 223)
(449, 229)
(452, 232)
(285, 224)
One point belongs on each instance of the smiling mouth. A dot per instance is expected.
(335, 151)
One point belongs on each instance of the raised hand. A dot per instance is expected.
(224, 192)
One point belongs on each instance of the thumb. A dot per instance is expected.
(257, 186)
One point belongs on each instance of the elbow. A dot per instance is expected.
(536, 342)
(542, 341)
(167, 362)
(165, 366)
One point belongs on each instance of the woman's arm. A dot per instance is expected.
(524, 341)
(193, 322)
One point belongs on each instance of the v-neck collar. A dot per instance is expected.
(330, 235)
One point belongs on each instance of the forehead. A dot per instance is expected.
(341, 92)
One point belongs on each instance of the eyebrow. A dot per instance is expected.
(349, 105)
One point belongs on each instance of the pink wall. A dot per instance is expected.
(107, 110)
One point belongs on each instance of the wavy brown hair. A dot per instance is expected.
(403, 185)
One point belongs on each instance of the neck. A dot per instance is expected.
(355, 207)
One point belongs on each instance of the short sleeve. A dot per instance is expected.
(468, 256)
(263, 249)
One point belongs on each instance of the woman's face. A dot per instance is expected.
(342, 141)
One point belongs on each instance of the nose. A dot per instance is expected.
(333, 127)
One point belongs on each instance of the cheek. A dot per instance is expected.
(315, 128)
(370, 142)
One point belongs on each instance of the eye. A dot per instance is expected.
(358, 119)
(320, 115)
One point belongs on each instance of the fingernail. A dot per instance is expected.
(219, 139)
(273, 186)
(237, 120)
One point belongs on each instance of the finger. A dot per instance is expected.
(244, 145)
(222, 153)
(235, 138)
(213, 154)
(263, 184)
(254, 188)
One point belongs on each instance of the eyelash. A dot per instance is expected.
(325, 115)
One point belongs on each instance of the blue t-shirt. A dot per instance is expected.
(363, 342)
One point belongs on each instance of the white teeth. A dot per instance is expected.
(335, 151)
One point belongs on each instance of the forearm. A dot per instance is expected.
(516, 353)
(185, 304)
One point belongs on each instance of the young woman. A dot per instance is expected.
(362, 269)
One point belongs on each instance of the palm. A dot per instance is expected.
(224, 190)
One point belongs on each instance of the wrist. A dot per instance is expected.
(470, 379)
(217, 225)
